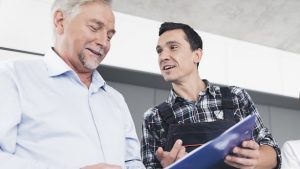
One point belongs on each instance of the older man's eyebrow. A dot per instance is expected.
(100, 24)
(97, 22)
(112, 31)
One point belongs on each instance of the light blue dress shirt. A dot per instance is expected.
(50, 120)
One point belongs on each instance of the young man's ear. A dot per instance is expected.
(58, 20)
(197, 55)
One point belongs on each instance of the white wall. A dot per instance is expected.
(26, 25)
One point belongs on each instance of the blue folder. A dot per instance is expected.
(214, 151)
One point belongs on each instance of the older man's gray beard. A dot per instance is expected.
(90, 63)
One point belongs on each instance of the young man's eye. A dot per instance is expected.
(173, 47)
(158, 51)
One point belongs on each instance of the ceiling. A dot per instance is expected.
(271, 23)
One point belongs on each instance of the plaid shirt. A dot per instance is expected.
(207, 108)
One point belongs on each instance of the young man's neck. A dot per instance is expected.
(189, 90)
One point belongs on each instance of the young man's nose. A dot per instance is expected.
(165, 54)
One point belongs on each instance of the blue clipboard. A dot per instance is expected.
(214, 151)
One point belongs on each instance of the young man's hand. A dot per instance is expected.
(166, 158)
(252, 156)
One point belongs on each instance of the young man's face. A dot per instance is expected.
(86, 35)
(177, 61)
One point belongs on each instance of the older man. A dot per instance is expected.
(58, 112)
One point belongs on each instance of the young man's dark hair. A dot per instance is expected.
(192, 36)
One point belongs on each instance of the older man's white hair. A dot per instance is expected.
(71, 7)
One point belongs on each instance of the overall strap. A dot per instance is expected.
(165, 111)
(227, 103)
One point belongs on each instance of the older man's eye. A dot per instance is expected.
(92, 28)
(110, 36)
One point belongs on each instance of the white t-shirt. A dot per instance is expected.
(291, 155)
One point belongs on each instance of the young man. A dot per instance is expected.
(195, 103)
(58, 112)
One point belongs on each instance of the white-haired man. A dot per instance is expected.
(58, 112)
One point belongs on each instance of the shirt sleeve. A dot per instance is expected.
(261, 133)
(132, 156)
(10, 118)
(151, 140)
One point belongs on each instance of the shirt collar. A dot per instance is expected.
(173, 97)
(209, 88)
(98, 81)
(55, 64)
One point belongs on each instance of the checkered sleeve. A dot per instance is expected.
(150, 141)
(261, 134)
